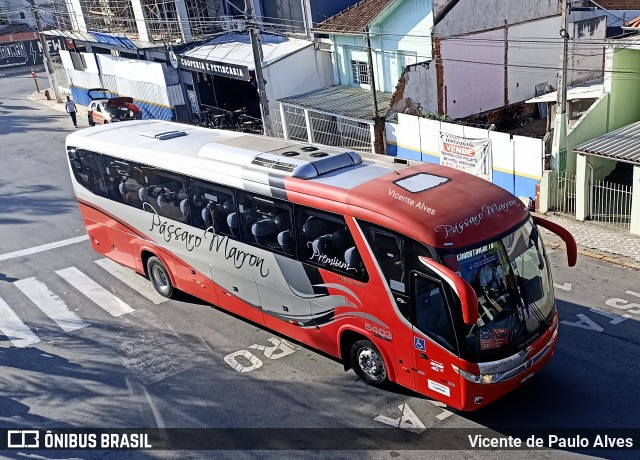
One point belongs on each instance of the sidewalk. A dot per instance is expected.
(41, 98)
(600, 242)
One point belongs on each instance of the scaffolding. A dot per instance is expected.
(161, 17)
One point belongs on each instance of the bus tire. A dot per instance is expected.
(368, 364)
(159, 277)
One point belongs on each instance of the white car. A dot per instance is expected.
(103, 110)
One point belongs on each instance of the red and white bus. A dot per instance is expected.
(416, 274)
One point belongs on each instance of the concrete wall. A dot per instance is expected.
(419, 93)
(142, 80)
(585, 52)
(517, 161)
(473, 73)
(532, 44)
(476, 15)
(298, 73)
(624, 82)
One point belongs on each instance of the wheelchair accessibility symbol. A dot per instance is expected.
(419, 344)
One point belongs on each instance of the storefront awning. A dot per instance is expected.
(231, 55)
(622, 144)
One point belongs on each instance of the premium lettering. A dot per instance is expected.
(324, 259)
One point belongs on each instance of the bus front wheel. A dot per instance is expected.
(368, 364)
(159, 277)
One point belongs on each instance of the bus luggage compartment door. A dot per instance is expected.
(237, 294)
(279, 306)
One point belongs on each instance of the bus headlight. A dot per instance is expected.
(483, 379)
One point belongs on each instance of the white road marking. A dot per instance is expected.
(445, 413)
(615, 319)
(96, 293)
(632, 293)
(564, 287)
(50, 304)
(280, 346)
(132, 279)
(584, 322)
(42, 248)
(408, 421)
(232, 361)
(13, 327)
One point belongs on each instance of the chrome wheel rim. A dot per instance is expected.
(160, 278)
(371, 364)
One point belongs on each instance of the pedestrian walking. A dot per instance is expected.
(70, 107)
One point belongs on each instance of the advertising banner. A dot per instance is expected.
(466, 154)
(28, 53)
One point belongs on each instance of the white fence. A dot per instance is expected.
(517, 161)
(310, 126)
(610, 203)
(565, 196)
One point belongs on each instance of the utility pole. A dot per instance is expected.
(378, 123)
(45, 49)
(557, 158)
(562, 78)
(372, 81)
(254, 34)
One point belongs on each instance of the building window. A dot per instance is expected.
(360, 72)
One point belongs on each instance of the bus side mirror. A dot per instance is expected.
(468, 298)
(572, 249)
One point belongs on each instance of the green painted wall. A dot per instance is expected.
(624, 105)
(593, 123)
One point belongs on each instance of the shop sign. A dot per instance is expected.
(222, 69)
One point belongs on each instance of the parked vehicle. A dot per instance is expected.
(106, 107)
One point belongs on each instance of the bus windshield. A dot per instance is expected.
(515, 300)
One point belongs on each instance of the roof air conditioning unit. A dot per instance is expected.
(230, 23)
(226, 22)
(238, 24)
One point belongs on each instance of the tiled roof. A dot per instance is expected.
(634, 22)
(622, 144)
(355, 18)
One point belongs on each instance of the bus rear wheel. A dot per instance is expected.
(159, 277)
(368, 364)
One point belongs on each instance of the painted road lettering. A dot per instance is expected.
(623, 304)
(407, 421)
(279, 349)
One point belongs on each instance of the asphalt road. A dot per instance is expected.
(152, 363)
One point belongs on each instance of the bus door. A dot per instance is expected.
(390, 251)
(434, 343)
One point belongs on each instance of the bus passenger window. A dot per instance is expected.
(430, 311)
(266, 222)
(212, 207)
(165, 194)
(87, 170)
(325, 241)
(124, 181)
